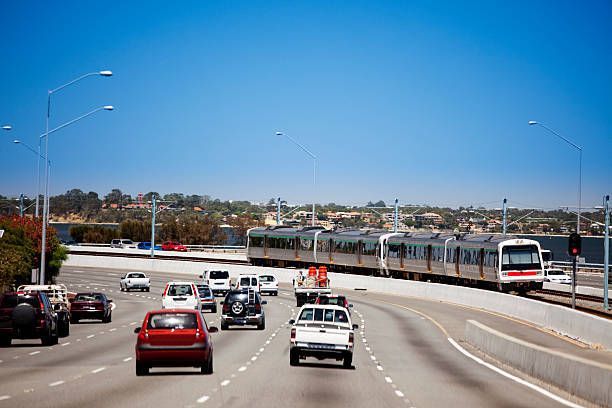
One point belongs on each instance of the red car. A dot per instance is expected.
(174, 338)
(91, 305)
(173, 246)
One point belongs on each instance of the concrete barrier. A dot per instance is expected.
(586, 379)
(584, 327)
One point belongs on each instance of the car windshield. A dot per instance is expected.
(88, 297)
(556, 272)
(180, 290)
(245, 281)
(219, 274)
(204, 292)
(266, 278)
(172, 321)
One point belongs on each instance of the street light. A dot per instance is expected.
(532, 123)
(314, 169)
(43, 254)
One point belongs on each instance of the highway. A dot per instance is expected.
(407, 354)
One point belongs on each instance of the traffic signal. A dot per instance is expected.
(574, 245)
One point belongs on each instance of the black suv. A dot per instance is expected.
(27, 316)
(242, 307)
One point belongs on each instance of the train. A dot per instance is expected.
(500, 262)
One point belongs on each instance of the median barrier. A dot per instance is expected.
(586, 379)
(590, 329)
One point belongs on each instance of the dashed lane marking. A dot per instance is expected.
(4, 397)
(34, 353)
(388, 380)
(399, 393)
(65, 344)
(55, 384)
(125, 360)
(113, 329)
(90, 336)
(225, 383)
(203, 399)
(97, 370)
(241, 369)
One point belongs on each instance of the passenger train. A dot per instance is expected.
(499, 262)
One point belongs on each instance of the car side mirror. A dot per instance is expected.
(201, 276)
(264, 302)
(221, 302)
(355, 326)
(292, 321)
(137, 330)
(350, 305)
(213, 329)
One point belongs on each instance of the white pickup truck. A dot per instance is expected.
(323, 332)
(307, 289)
(135, 280)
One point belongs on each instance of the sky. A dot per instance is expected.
(423, 101)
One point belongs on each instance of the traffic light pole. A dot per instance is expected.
(574, 281)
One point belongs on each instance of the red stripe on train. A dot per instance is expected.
(523, 273)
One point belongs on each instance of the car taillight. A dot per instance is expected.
(226, 308)
(143, 336)
(351, 337)
(293, 334)
(257, 308)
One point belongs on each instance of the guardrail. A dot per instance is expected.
(583, 267)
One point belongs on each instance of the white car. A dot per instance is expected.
(268, 284)
(218, 281)
(135, 280)
(556, 276)
(248, 280)
(122, 243)
(181, 295)
(322, 331)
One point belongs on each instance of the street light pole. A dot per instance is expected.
(606, 249)
(278, 210)
(314, 170)
(532, 123)
(46, 213)
(153, 209)
(505, 216)
(396, 215)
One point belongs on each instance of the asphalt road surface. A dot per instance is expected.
(404, 357)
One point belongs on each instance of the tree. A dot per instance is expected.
(114, 197)
(241, 224)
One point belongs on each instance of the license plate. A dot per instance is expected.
(322, 346)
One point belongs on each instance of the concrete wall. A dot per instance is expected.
(578, 325)
(584, 378)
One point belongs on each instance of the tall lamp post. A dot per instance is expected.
(314, 170)
(43, 254)
(533, 123)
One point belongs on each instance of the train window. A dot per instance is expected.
(394, 251)
(450, 255)
(256, 241)
(323, 245)
(437, 254)
(368, 248)
(490, 259)
(289, 243)
(306, 244)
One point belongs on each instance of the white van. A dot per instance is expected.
(269, 284)
(218, 281)
(248, 280)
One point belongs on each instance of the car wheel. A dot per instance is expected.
(148, 289)
(208, 367)
(141, 369)
(224, 326)
(294, 358)
(348, 361)
(108, 319)
(5, 341)
(262, 325)
(64, 328)
(74, 320)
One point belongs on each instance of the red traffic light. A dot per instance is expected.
(574, 246)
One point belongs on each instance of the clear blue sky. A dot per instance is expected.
(425, 101)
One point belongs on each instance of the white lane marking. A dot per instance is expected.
(388, 380)
(34, 353)
(4, 397)
(125, 360)
(253, 358)
(101, 332)
(90, 336)
(261, 350)
(202, 399)
(97, 370)
(241, 369)
(112, 330)
(133, 323)
(65, 344)
(379, 368)
(78, 339)
(225, 382)
(373, 357)
(399, 393)
(1, 361)
(268, 342)
(513, 378)
(55, 384)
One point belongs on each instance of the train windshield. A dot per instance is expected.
(520, 257)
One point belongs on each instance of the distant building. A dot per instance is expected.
(429, 218)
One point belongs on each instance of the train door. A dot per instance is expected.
(457, 258)
(296, 244)
(402, 255)
(266, 246)
(481, 263)
(428, 254)
(359, 251)
(332, 247)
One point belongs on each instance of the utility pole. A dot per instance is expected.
(278, 210)
(606, 249)
(20, 205)
(396, 215)
(153, 209)
(505, 216)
